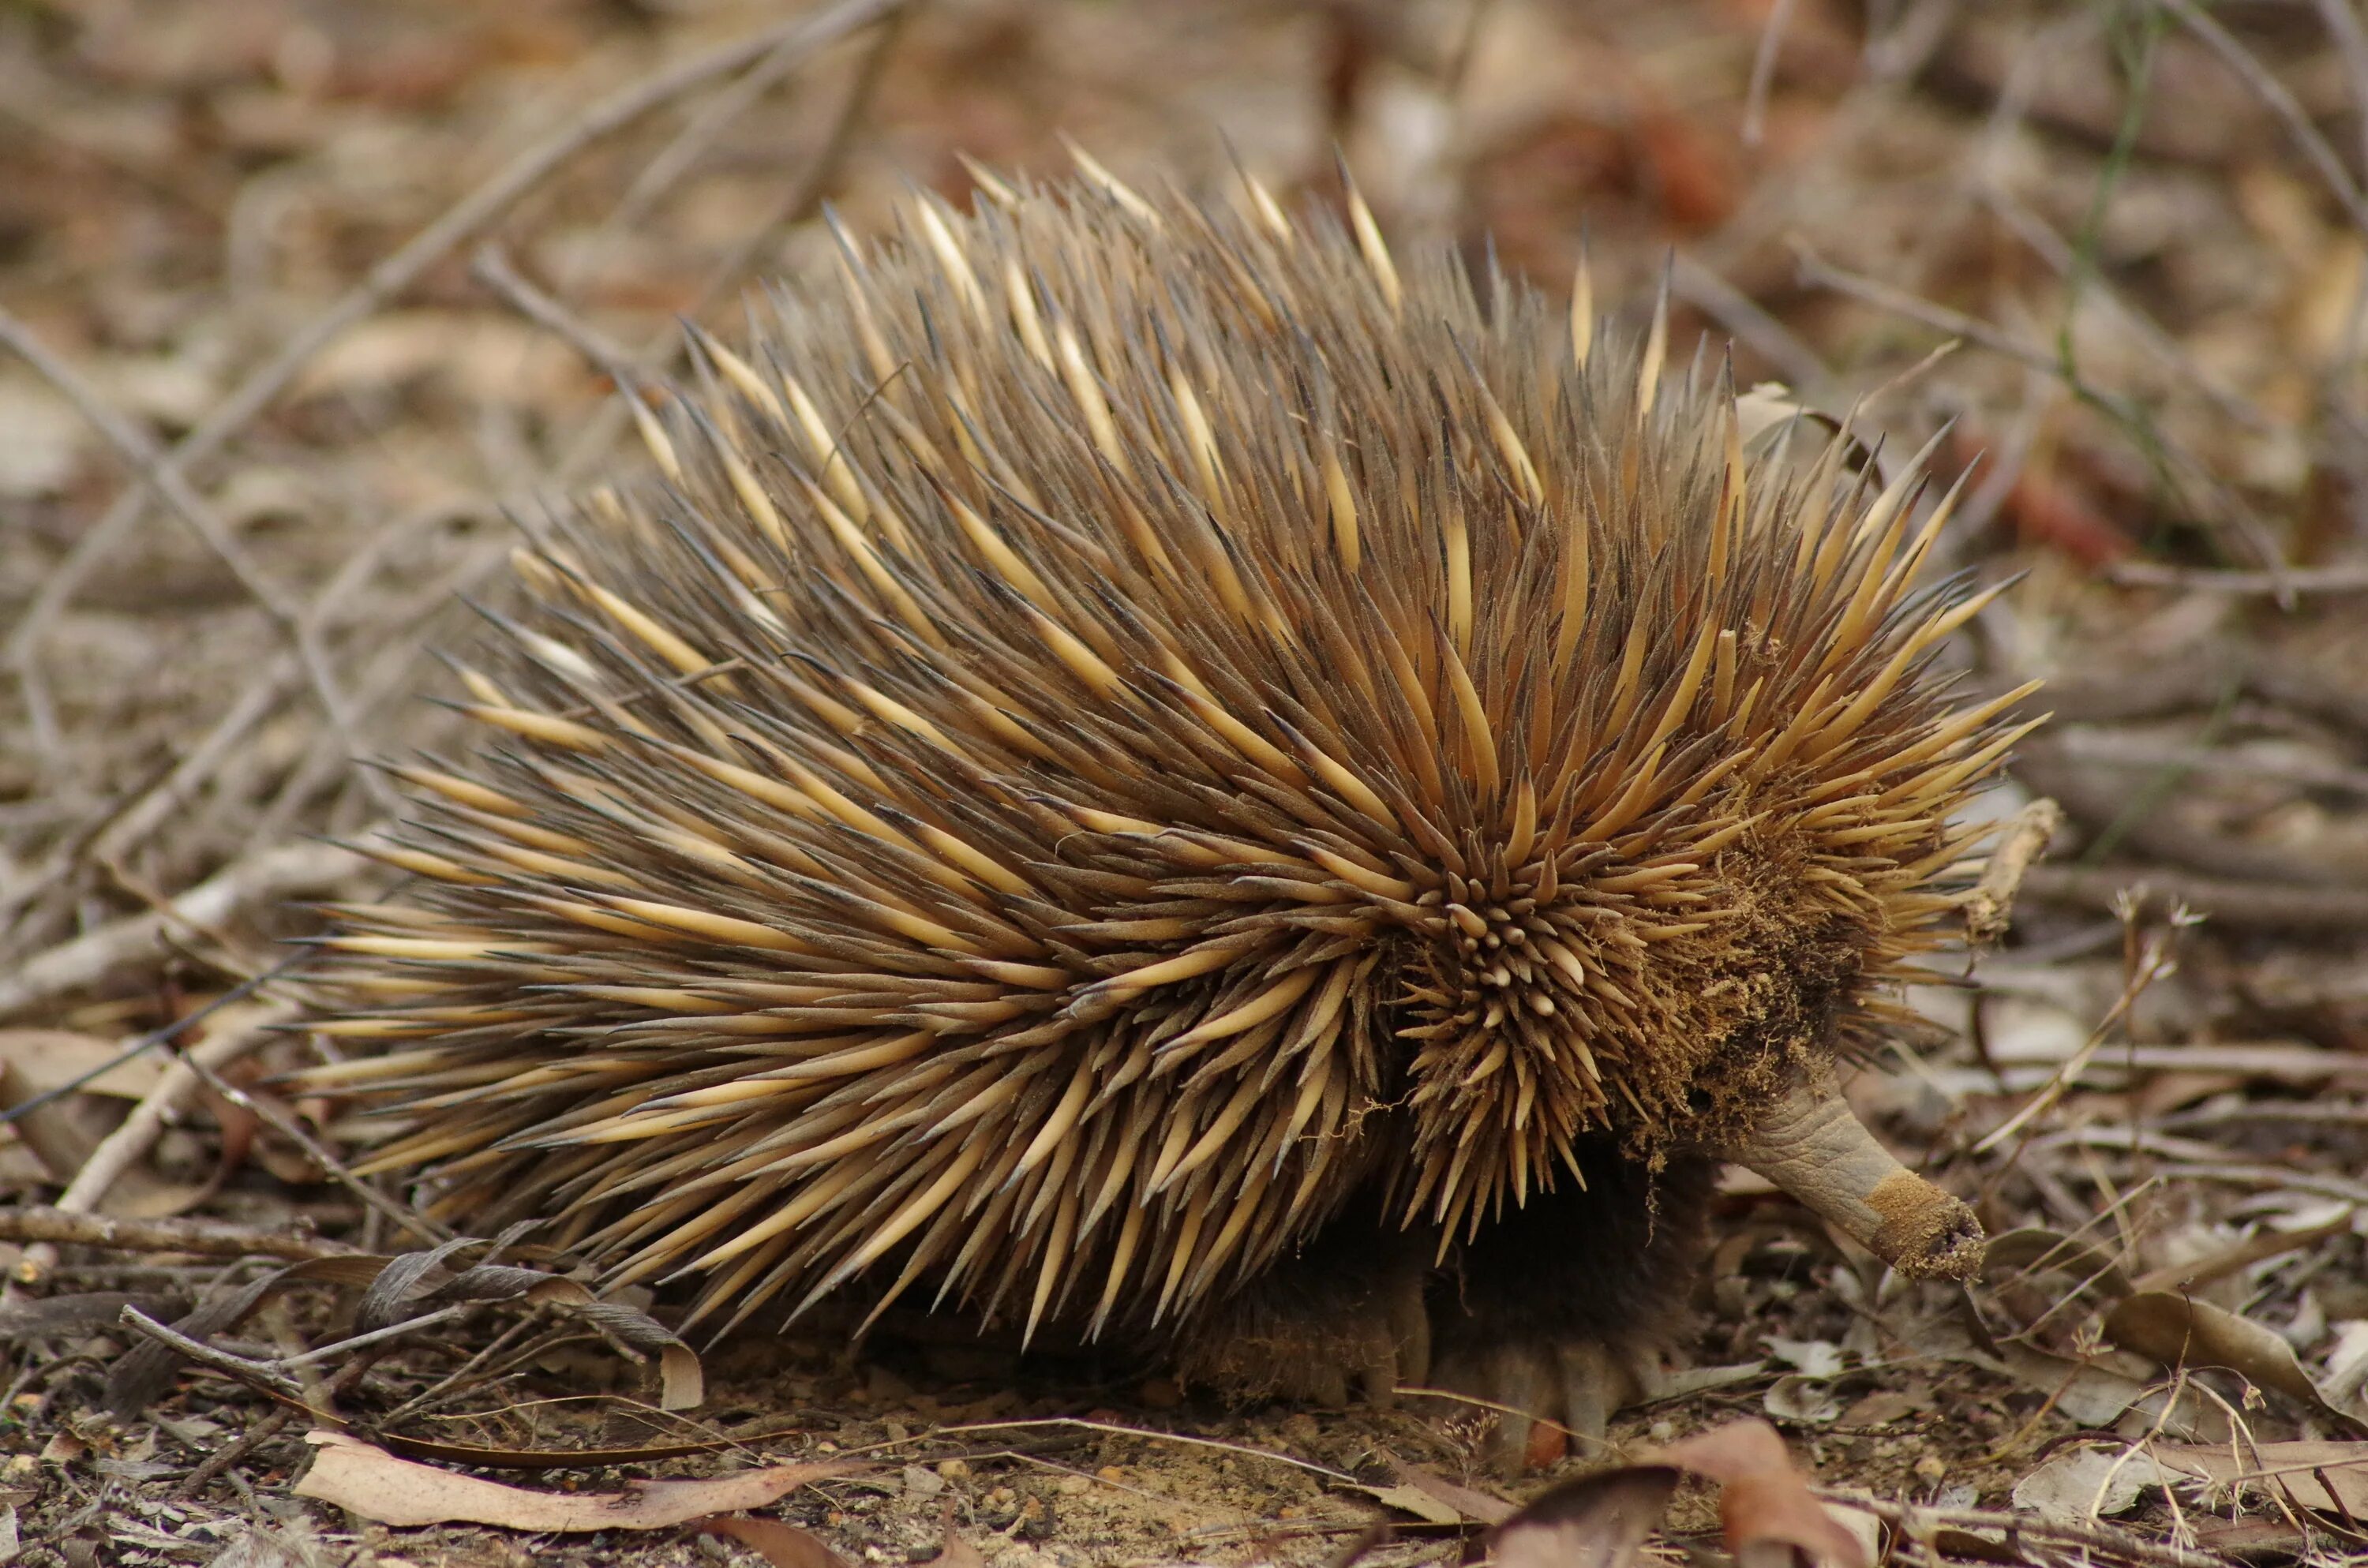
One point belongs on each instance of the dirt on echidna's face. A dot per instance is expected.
(1120, 733)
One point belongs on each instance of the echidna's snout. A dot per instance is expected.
(1812, 1145)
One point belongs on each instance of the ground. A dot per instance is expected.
(2118, 250)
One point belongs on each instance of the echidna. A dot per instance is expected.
(1142, 770)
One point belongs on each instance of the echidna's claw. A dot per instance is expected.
(1548, 1396)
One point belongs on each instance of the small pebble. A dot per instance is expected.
(1072, 1485)
(954, 1469)
(1930, 1468)
(1110, 1472)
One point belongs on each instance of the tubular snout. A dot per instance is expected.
(1810, 1144)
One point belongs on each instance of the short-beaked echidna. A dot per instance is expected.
(1139, 769)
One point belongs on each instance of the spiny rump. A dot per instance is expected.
(1124, 724)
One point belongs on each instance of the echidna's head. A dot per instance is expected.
(1125, 725)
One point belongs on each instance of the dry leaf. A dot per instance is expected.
(41, 439)
(51, 1058)
(2073, 1486)
(1805, 1393)
(1596, 1522)
(2338, 1220)
(2347, 1362)
(2332, 1477)
(783, 1545)
(2182, 1331)
(379, 1487)
(1408, 1498)
(1796, 1398)
(1809, 1358)
(1765, 1501)
(958, 1552)
(2092, 1395)
(1463, 1503)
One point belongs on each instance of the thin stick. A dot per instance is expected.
(2346, 579)
(206, 1238)
(1816, 272)
(491, 267)
(394, 1330)
(119, 1149)
(1148, 1436)
(2102, 1538)
(2273, 93)
(283, 1123)
(426, 1398)
(255, 1374)
(87, 959)
(599, 434)
(1990, 905)
(1763, 72)
(2229, 902)
(265, 1427)
(2350, 42)
(1800, 365)
(717, 111)
(2153, 961)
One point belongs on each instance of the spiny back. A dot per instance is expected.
(1125, 725)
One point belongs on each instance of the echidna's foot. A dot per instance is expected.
(1537, 1397)
(1344, 1317)
(1553, 1315)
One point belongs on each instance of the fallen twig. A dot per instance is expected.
(1990, 905)
(207, 1238)
(2109, 1544)
(117, 1153)
(255, 1374)
(2273, 93)
(85, 961)
(286, 1126)
(2243, 905)
(2347, 579)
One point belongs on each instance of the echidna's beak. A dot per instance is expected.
(1811, 1145)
